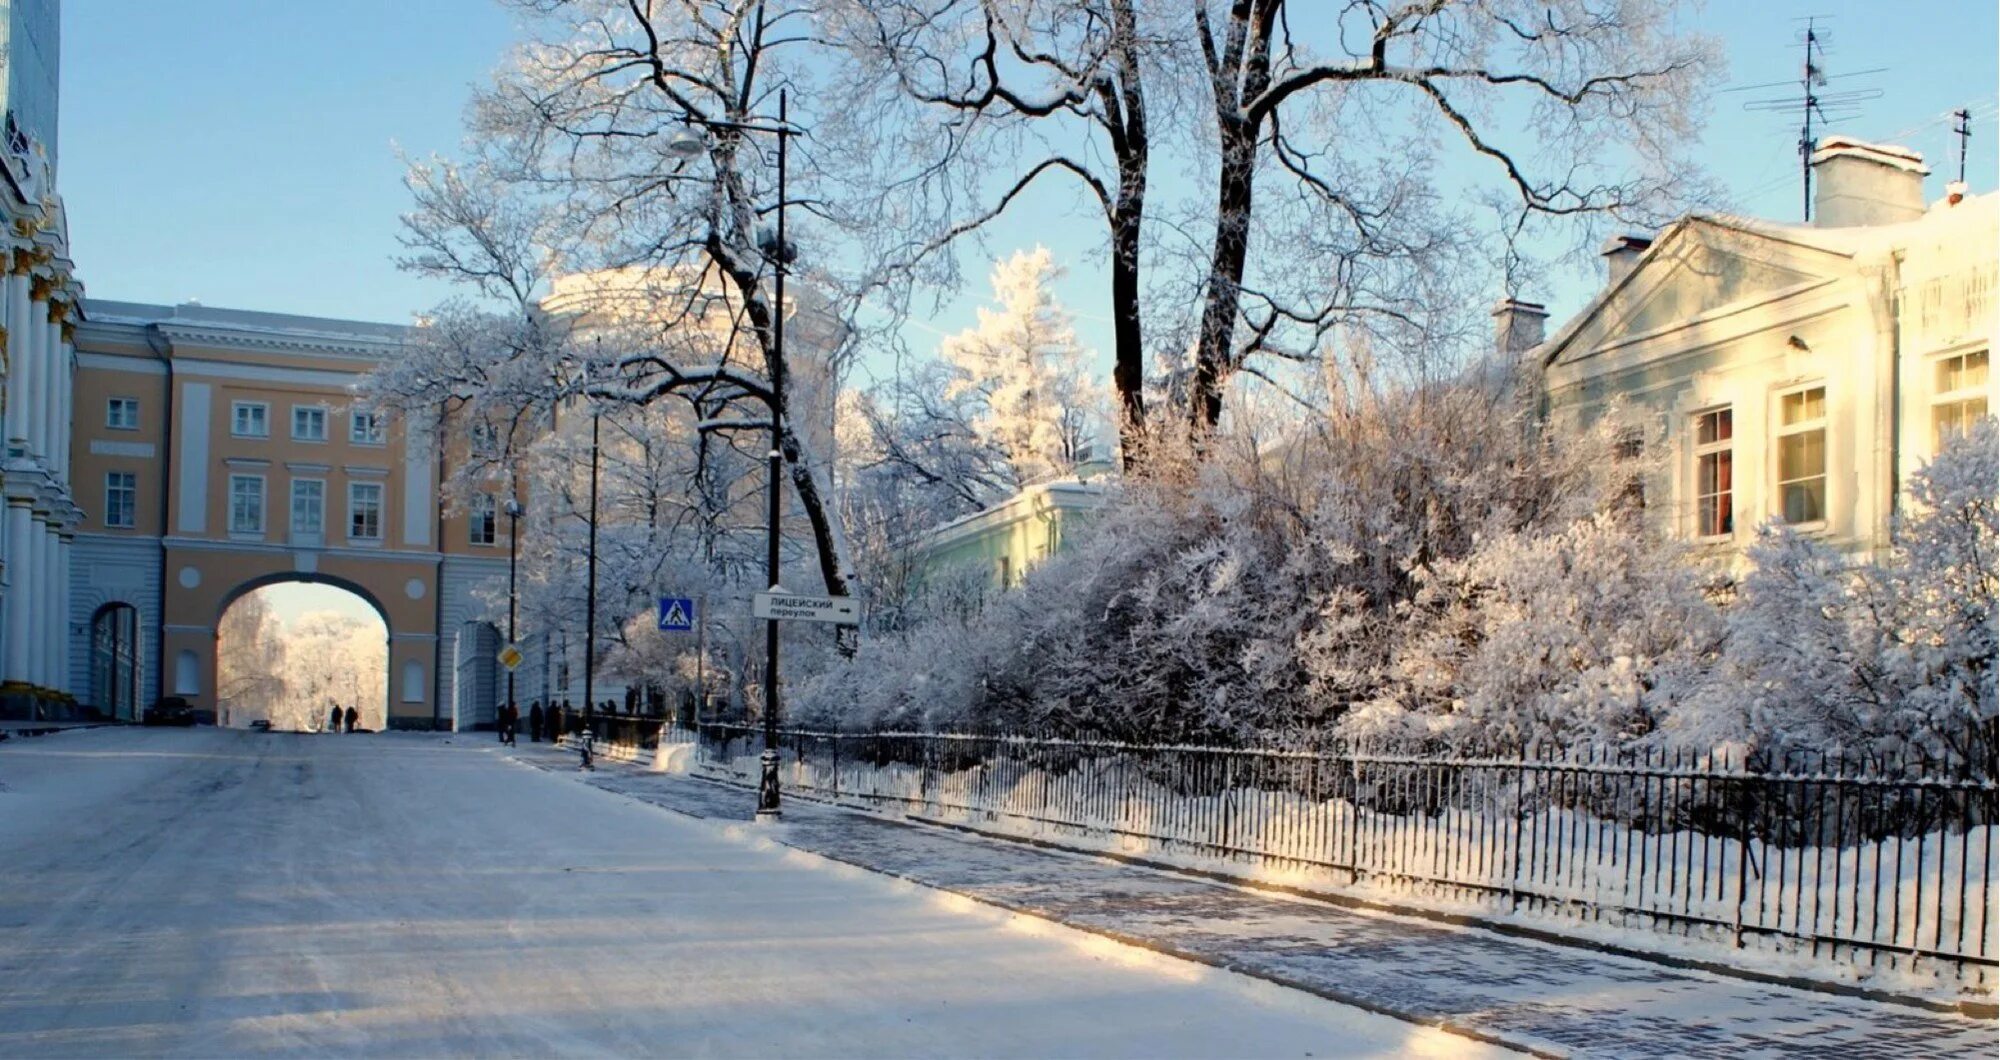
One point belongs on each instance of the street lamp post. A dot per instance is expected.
(687, 146)
(513, 599)
(590, 584)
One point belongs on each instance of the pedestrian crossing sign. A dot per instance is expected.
(676, 614)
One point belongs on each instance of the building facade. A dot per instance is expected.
(39, 302)
(1799, 373)
(220, 451)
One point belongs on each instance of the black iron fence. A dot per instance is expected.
(1848, 859)
(634, 732)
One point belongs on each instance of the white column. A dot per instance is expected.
(20, 565)
(51, 386)
(38, 603)
(64, 641)
(14, 294)
(60, 411)
(66, 410)
(21, 327)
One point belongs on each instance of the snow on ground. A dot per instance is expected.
(205, 892)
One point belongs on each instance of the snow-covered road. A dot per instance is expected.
(203, 892)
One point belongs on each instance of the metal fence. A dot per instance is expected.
(1857, 860)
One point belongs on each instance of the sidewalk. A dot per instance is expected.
(1542, 998)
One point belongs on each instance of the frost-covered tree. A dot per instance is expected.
(1030, 380)
(1893, 659)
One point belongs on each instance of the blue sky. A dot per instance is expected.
(243, 152)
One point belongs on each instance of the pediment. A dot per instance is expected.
(1699, 271)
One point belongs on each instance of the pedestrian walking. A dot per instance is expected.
(352, 717)
(333, 718)
(535, 722)
(510, 721)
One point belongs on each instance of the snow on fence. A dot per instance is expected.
(1855, 862)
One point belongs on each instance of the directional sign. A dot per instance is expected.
(510, 656)
(676, 614)
(842, 610)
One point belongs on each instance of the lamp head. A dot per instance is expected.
(687, 142)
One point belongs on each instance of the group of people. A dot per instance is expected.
(338, 720)
(540, 722)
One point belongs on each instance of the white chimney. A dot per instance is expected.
(1866, 184)
(1620, 254)
(1518, 327)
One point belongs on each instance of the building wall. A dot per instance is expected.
(1012, 537)
(1730, 318)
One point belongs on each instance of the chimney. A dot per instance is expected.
(1620, 253)
(1866, 184)
(1518, 327)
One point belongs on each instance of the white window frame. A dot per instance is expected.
(263, 505)
(238, 418)
(1780, 430)
(1964, 395)
(130, 488)
(354, 490)
(319, 530)
(121, 413)
(1725, 447)
(484, 510)
(372, 435)
(304, 414)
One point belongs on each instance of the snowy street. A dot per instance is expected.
(207, 892)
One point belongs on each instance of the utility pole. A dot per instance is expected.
(590, 583)
(1961, 127)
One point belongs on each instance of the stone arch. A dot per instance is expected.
(296, 577)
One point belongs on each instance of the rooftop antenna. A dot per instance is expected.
(1813, 103)
(1961, 127)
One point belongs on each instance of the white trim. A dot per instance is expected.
(246, 461)
(264, 373)
(115, 401)
(324, 415)
(364, 471)
(142, 450)
(263, 506)
(381, 522)
(292, 513)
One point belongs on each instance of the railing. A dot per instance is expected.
(629, 732)
(1850, 860)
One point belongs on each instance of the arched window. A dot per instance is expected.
(187, 673)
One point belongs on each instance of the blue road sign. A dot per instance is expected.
(676, 614)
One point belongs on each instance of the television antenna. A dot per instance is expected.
(1818, 101)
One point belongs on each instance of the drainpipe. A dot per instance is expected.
(1894, 474)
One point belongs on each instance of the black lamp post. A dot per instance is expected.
(513, 509)
(590, 584)
(689, 145)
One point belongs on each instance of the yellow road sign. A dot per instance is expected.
(510, 657)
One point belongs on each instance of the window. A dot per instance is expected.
(364, 428)
(364, 511)
(1961, 396)
(1714, 456)
(308, 423)
(122, 414)
(1630, 449)
(1802, 455)
(121, 499)
(250, 419)
(485, 519)
(308, 506)
(484, 439)
(246, 504)
(1004, 569)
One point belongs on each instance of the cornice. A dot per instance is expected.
(224, 338)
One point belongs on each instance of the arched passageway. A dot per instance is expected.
(290, 650)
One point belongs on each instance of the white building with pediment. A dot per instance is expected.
(1790, 372)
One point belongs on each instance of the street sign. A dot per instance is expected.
(510, 656)
(676, 614)
(839, 609)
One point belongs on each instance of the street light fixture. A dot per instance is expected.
(689, 143)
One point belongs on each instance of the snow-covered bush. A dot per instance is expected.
(1865, 659)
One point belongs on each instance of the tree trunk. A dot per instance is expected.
(1213, 353)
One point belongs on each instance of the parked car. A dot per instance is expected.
(261, 725)
(171, 710)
